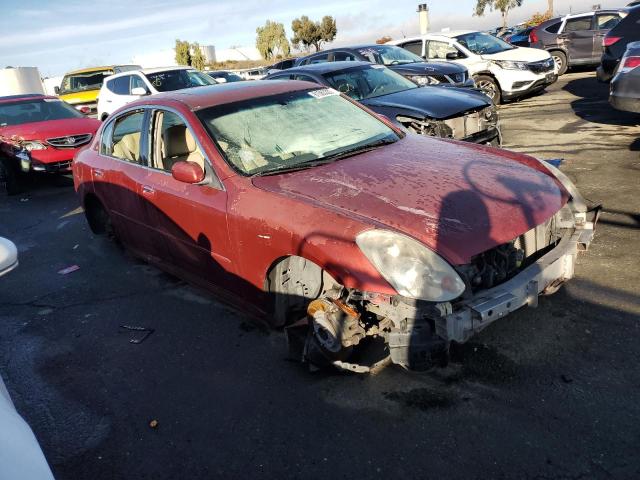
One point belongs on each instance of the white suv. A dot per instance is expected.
(501, 70)
(122, 88)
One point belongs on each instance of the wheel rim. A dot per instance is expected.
(488, 88)
(559, 63)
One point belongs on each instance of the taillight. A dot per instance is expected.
(608, 41)
(533, 36)
(631, 62)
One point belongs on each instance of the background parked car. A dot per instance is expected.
(625, 85)
(457, 113)
(122, 88)
(500, 70)
(576, 39)
(39, 134)
(521, 38)
(282, 65)
(399, 60)
(80, 88)
(224, 76)
(616, 41)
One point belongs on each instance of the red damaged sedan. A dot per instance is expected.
(293, 202)
(39, 134)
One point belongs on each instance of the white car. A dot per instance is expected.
(501, 70)
(122, 88)
(8, 256)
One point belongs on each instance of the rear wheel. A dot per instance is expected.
(98, 218)
(9, 177)
(560, 59)
(489, 87)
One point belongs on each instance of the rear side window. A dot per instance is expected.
(305, 78)
(125, 140)
(553, 28)
(607, 21)
(344, 57)
(578, 24)
(319, 59)
(119, 85)
(414, 47)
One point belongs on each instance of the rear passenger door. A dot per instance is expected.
(577, 38)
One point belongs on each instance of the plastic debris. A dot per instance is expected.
(556, 162)
(153, 423)
(144, 333)
(69, 269)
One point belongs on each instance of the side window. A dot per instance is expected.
(554, 27)
(120, 85)
(305, 78)
(578, 24)
(414, 47)
(319, 59)
(280, 77)
(125, 141)
(606, 21)
(105, 140)
(173, 142)
(344, 57)
(137, 82)
(439, 50)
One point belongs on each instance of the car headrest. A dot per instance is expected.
(178, 141)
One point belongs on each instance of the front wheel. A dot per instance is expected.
(560, 59)
(489, 87)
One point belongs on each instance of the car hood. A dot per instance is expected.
(520, 54)
(458, 199)
(422, 68)
(51, 129)
(85, 96)
(433, 102)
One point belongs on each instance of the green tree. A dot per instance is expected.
(307, 32)
(197, 58)
(502, 5)
(183, 55)
(271, 40)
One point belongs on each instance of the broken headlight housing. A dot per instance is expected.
(411, 269)
(33, 145)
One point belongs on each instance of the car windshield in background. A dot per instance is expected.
(482, 43)
(368, 82)
(229, 77)
(41, 110)
(79, 82)
(178, 79)
(292, 130)
(389, 55)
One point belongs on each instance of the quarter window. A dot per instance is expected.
(554, 28)
(607, 21)
(125, 141)
(578, 24)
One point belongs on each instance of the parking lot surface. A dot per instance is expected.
(551, 392)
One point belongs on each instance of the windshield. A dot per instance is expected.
(482, 43)
(389, 55)
(29, 111)
(368, 82)
(178, 79)
(79, 82)
(292, 129)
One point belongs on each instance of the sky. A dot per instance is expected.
(61, 35)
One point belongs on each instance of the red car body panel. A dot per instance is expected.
(457, 198)
(12, 135)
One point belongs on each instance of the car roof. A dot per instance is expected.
(149, 71)
(446, 34)
(604, 10)
(25, 96)
(212, 95)
(327, 67)
(94, 69)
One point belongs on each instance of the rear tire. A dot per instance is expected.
(10, 180)
(490, 87)
(560, 59)
(98, 218)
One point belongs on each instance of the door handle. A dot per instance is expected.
(146, 189)
(98, 173)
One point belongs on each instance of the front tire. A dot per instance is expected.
(560, 59)
(490, 88)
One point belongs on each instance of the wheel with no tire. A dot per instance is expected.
(9, 177)
(560, 59)
(489, 87)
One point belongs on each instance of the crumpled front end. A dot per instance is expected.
(362, 331)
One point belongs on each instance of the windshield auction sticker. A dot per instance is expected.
(324, 92)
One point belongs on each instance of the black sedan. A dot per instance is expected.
(410, 65)
(462, 114)
(625, 85)
(616, 41)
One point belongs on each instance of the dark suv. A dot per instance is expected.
(576, 39)
(616, 41)
(399, 60)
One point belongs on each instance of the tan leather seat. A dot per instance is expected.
(128, 147)
(178, 145)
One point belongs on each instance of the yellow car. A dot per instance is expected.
(80, 88)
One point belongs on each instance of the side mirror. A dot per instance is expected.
(452, 56)
(57, 90)
(187, 172)
(139, 91)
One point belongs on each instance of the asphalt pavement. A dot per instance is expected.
(551, 392)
